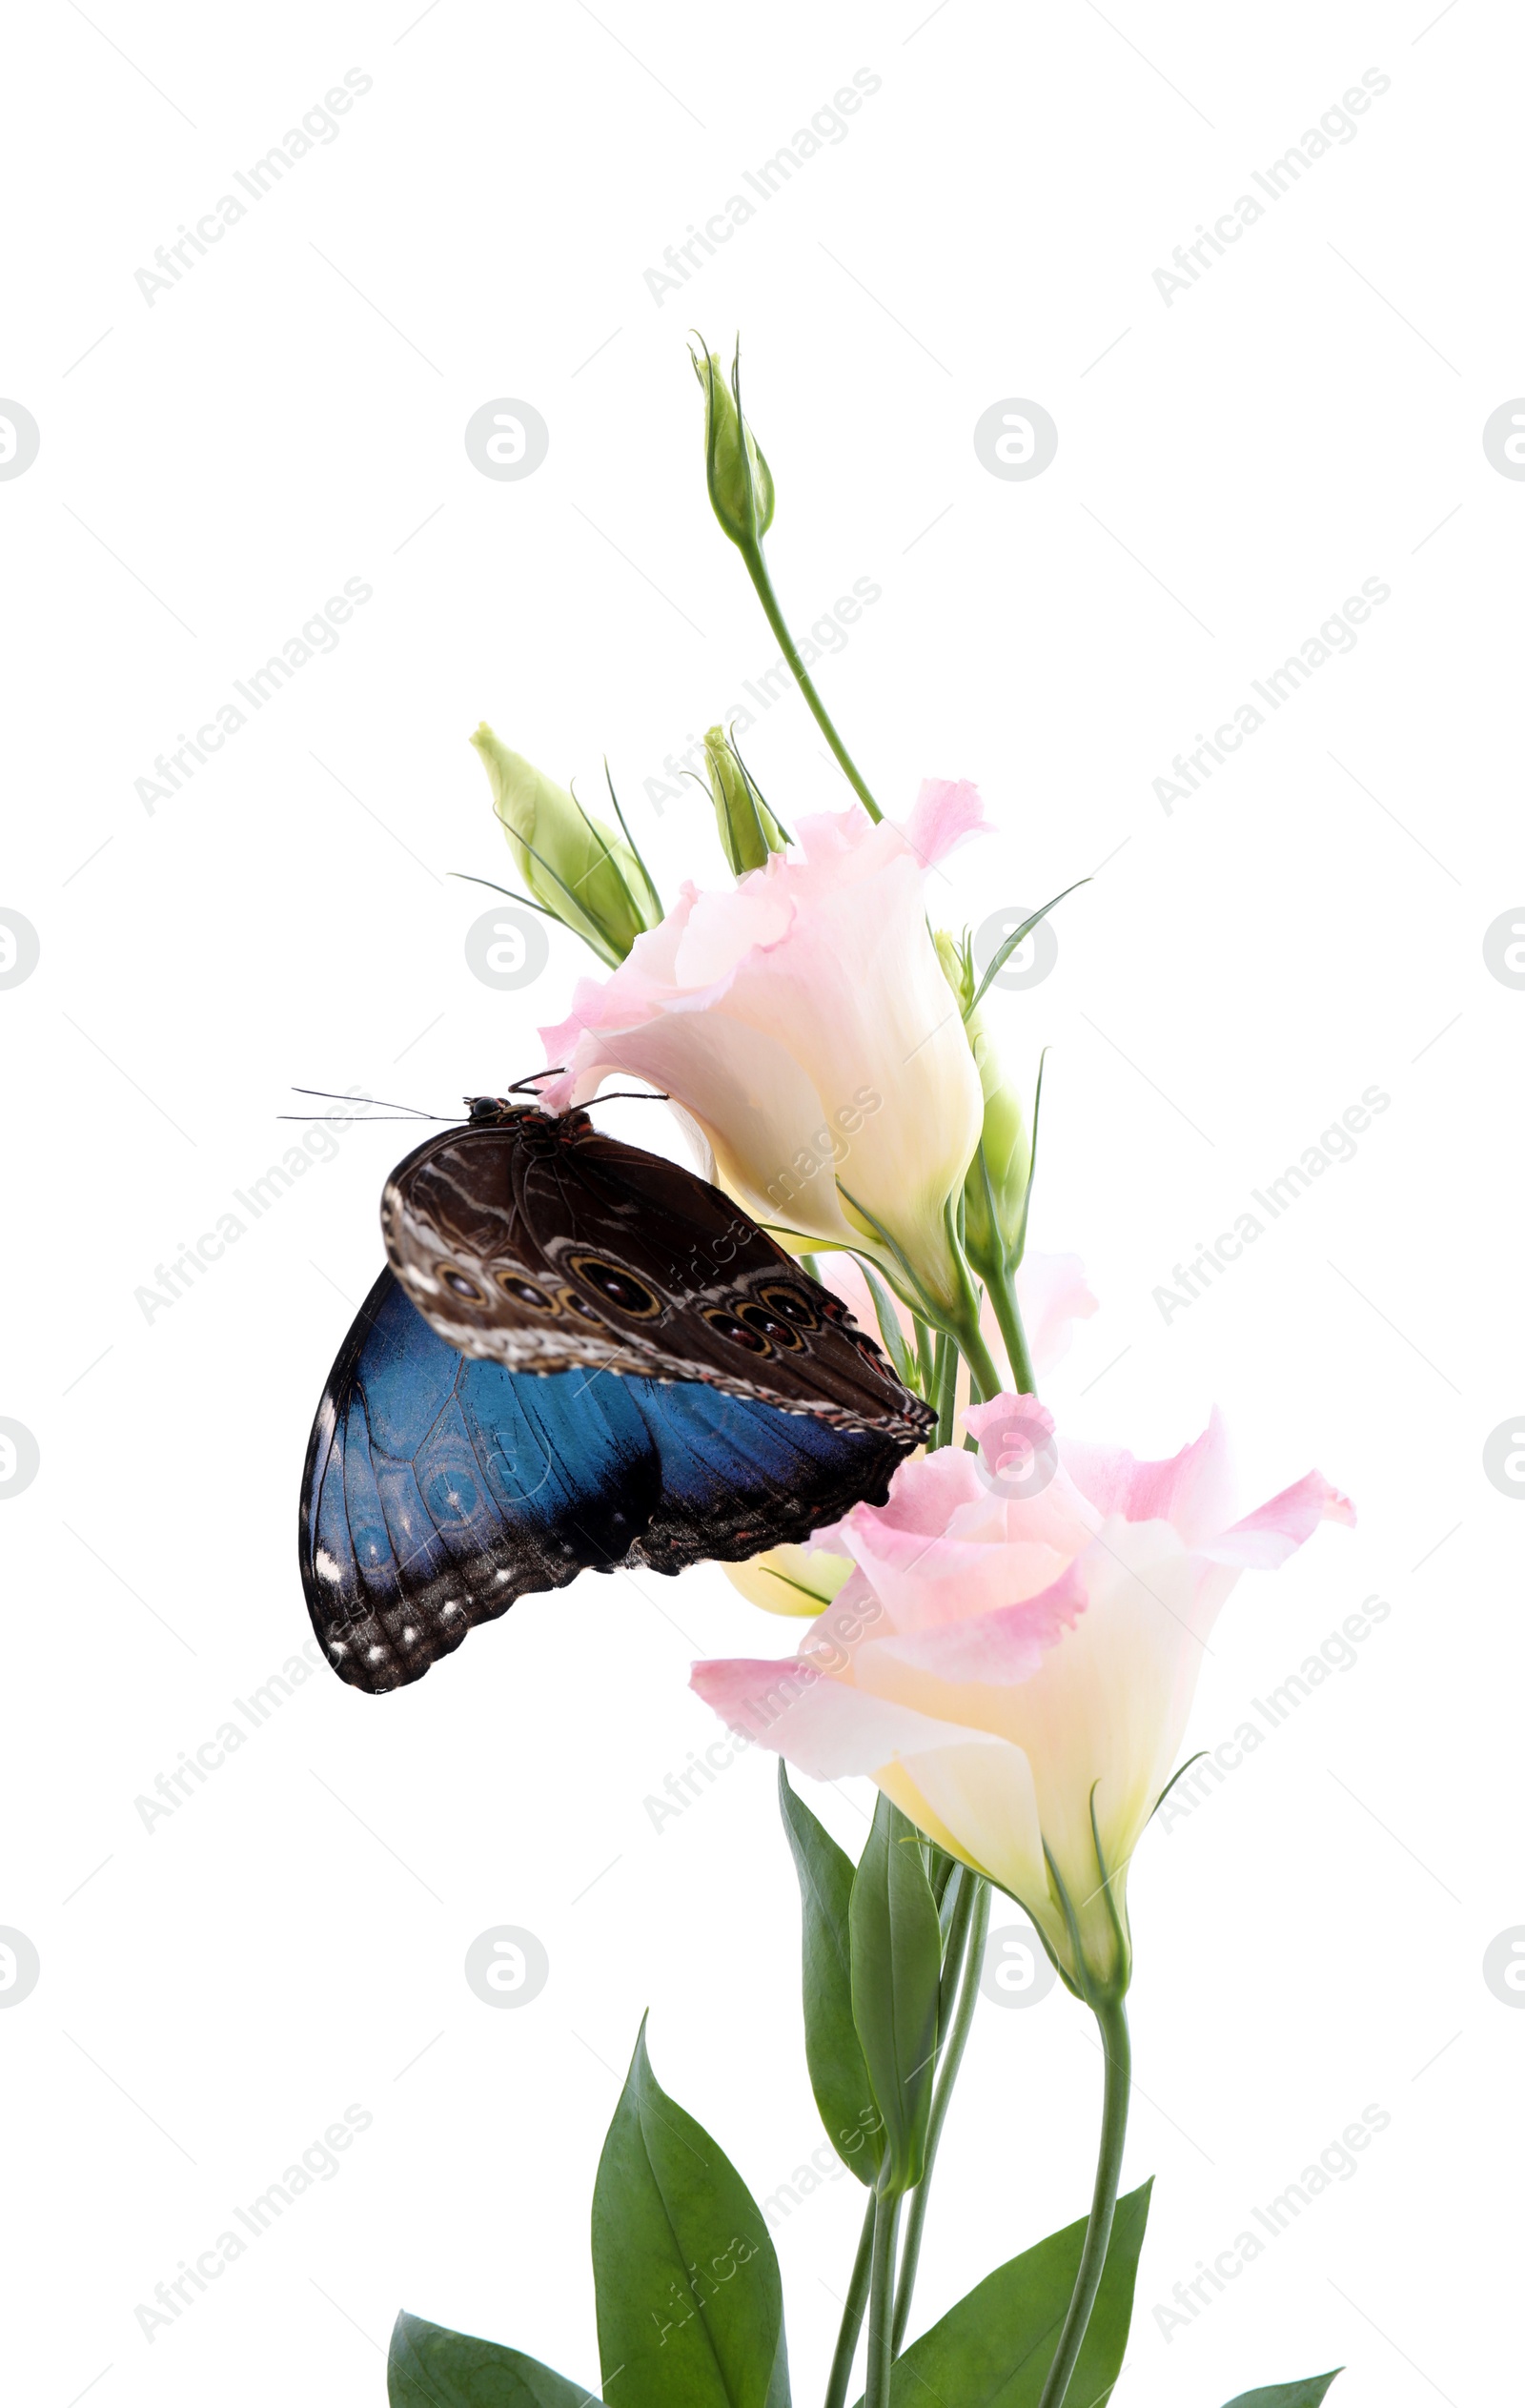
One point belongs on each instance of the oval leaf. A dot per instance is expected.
(690, 2305)
(1304, 2394)
(896, 1965)
(428, 2366)
(838, 2075)
(995, 2348)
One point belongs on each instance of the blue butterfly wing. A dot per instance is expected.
(740, 1474)
(438, 1487)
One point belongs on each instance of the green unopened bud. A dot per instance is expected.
(741, 486)
(573, 865)
(748, 829)
(996, 1187)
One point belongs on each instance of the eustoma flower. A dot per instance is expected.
(802, 1023)
(1014, 1657)
(1053, 1295)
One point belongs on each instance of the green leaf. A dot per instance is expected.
(838, 2075)
(1019, 1243)
(1304, 2394)
(896, 1964)
(690, 2305)
(889, 1328)
(428, 2366)
(995, 2348)
(998, 961)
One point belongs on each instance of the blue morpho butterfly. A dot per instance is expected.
(581, 1356)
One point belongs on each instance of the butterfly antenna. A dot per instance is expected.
(410, 1111)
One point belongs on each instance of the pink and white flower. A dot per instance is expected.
(1014, 1657)
(802, 1026)
(1053, 1295)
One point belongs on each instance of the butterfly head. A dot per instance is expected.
(548, 1128)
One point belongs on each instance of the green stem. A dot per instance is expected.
(947, 1876)
(1113, 2021)
(1008, 1317)
(852, 2315)
(955, 1946)
(962, 1319)
(982, 1372)
(758, 570)
(925, 1357)
(945, 1388)
(966, 1957)
(881, 2304)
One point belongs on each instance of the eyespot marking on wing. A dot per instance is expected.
(618, 1286)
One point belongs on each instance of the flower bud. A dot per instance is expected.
(995, 1190)
(790, 1579)
(577, 867)
(741, 486)
(748, 829)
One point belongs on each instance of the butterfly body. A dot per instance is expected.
(671, 1389)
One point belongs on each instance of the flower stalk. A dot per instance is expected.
(757, 568)
(966, 1956)
(852, 2315)
(881, 2300)
(1111, 2020)
(741, 495)
(1013, 1335)
(963, 1323)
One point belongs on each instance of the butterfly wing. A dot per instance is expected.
(739, 1475)
(438, 1487)
(436, 1490)
(540, 1242)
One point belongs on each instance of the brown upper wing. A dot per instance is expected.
(544, 1244)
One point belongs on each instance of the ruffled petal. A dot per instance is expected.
(1191, 1490)
(1264, 1539)
(945, 811)
(826, 1729)
(983, 1651)
(1053, 1295)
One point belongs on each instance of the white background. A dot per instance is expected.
(1307, 416)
